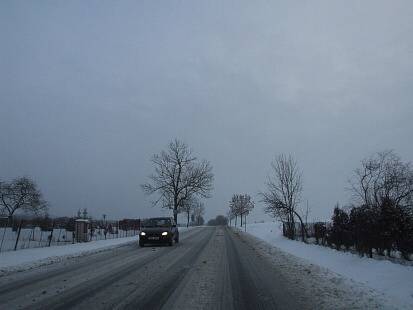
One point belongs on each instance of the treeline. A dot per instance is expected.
(239, 207)
(382, 229)
(381, 220)
(219, 220)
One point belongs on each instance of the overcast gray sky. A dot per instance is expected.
(89, 90)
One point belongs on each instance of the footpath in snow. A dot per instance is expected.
(390, 279)
(31, 258)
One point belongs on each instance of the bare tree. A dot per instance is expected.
(230, 216)
(384, 177)
(283, 194)
(233, 211)
(198, 212)
(21, 194)
(187, 206)
(178, 176)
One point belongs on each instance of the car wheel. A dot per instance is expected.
(141, 244)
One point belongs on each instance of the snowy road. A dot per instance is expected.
(211, 268)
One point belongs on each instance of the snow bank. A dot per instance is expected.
(30, 258)
(393, 280)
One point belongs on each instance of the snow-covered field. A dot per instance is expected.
(389, 279)
(30, 258)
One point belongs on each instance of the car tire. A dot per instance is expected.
(141, 244)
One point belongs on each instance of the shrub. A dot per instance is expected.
(320, 230)
(340, 232)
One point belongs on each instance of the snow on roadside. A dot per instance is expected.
(21, 260)
(31, 258)
(393, 280)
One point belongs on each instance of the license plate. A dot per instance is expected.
(153, 238)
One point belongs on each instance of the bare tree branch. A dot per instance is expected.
(383, 177)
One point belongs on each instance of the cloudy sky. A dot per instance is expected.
(89, 90)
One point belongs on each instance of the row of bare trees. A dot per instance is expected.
(197, 216)
(379, 220)
(21, 194)
(239, 207)
(180, 180)
(382, 187)
(194, 210)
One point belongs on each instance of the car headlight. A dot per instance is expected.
(165, 233)
(143, 233)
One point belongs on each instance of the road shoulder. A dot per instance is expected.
(311, 282)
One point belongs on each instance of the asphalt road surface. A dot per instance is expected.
(211, 268)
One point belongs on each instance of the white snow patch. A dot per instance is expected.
(393, 280)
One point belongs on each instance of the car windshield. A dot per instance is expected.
(157, 223)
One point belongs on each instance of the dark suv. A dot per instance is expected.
(158, 230)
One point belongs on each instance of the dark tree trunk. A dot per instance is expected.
(10, 220)
(176, 214)
(303, 229)
(176, 208)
